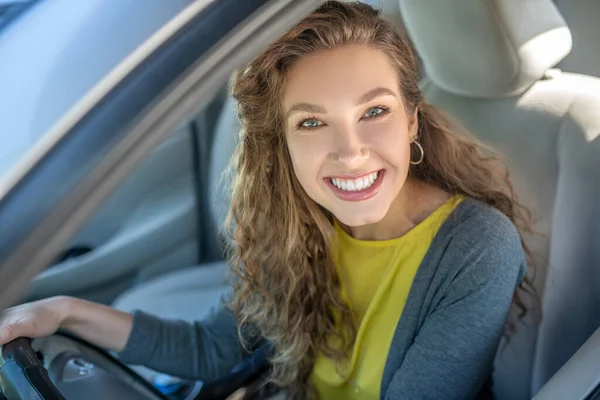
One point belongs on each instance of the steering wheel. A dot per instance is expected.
(22, 375)
(66, 367)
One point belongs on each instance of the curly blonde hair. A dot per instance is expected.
(287, 288)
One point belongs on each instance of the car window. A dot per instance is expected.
(11, 9)
(113, 128)
(53, 52)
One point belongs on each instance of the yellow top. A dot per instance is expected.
(376, 277)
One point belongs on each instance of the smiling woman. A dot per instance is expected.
(362, 128)
(367, 228)
(377, 250)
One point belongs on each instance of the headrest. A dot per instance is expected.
(491, 48)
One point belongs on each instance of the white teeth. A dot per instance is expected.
(359, 183)
(353, 185)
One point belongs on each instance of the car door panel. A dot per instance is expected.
(151, 217)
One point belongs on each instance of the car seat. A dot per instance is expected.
(489, 65)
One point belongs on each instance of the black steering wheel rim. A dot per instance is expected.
(24, 377)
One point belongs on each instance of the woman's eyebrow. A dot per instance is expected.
(306, 107)
(317, 109)
(374, 93)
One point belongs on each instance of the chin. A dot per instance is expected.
(357, 219)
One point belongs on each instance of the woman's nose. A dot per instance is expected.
(350, 148)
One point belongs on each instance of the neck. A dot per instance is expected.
(415, 202)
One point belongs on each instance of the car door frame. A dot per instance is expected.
(110, 131)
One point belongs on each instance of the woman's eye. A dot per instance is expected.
(375, 112)
(310, 123)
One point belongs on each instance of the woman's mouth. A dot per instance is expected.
(356, 189)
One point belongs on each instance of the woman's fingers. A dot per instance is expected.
(37, 319)
(12, 330)
(7, 333)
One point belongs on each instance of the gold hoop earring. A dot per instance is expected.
(422, 153)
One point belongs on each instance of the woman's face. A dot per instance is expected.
(347, 131)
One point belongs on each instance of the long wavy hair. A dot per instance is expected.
(286, 287)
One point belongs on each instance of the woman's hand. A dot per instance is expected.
(33, 320)
(95, 323)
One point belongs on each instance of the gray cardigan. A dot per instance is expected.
(445, 341)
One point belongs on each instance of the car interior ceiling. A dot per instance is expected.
(544, 121)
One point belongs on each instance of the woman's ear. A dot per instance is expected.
(414, 123)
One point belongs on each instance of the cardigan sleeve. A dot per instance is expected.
(201, 350)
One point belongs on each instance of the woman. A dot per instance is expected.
(376, 249)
